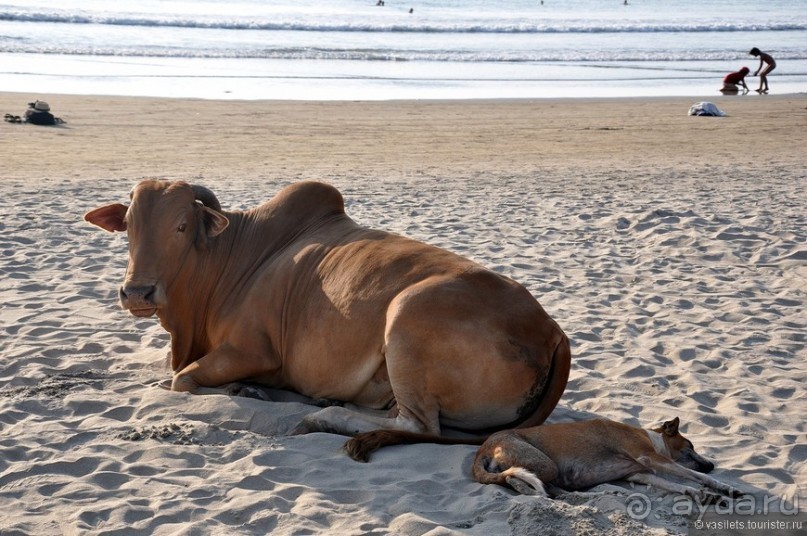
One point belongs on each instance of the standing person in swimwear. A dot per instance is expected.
(769, 64)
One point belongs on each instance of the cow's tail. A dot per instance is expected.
(555, 384)
(518, 478)
(361, 446)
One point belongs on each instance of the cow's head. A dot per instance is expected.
(168, 224)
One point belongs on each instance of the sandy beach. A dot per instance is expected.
(671, 249)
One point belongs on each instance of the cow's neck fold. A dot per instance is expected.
(204, 282)
(185, 315)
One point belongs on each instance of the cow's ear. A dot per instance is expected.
(111, 217)
(215, 222)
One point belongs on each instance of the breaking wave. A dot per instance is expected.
(379, 25)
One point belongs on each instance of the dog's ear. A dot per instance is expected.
(670, 428)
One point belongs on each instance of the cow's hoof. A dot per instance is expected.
(327, 402)
(184, 383)
(248, 391)
(311, 424)
(302, 429)
(164, 384)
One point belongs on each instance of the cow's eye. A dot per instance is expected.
(182, 227)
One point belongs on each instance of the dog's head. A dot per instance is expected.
(681, 449)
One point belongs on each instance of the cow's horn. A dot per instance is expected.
(206, 196)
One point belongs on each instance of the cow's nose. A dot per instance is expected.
(141, 294)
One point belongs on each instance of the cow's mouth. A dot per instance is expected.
(144, 312)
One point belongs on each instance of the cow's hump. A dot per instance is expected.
(310, 199)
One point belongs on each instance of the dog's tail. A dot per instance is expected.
(518, 478)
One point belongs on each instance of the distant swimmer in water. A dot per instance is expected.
(766, 65)
(732, 80)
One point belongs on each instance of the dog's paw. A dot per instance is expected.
(735, 493)
(705, 496)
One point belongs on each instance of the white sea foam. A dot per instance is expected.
(492, 47)
(295, 23)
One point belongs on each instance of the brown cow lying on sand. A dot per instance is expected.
(295, 295)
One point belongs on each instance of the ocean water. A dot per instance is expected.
(355, 50)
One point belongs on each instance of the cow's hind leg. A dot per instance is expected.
(416, 406)
(455, 360)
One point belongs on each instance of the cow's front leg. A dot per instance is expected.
(221, 366)
(350, 422)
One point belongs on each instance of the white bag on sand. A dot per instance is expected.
(706, 108)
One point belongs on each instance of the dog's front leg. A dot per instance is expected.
(701, 495)
(661, 465)
(709, 482)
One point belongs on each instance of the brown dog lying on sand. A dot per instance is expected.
(574, 456)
